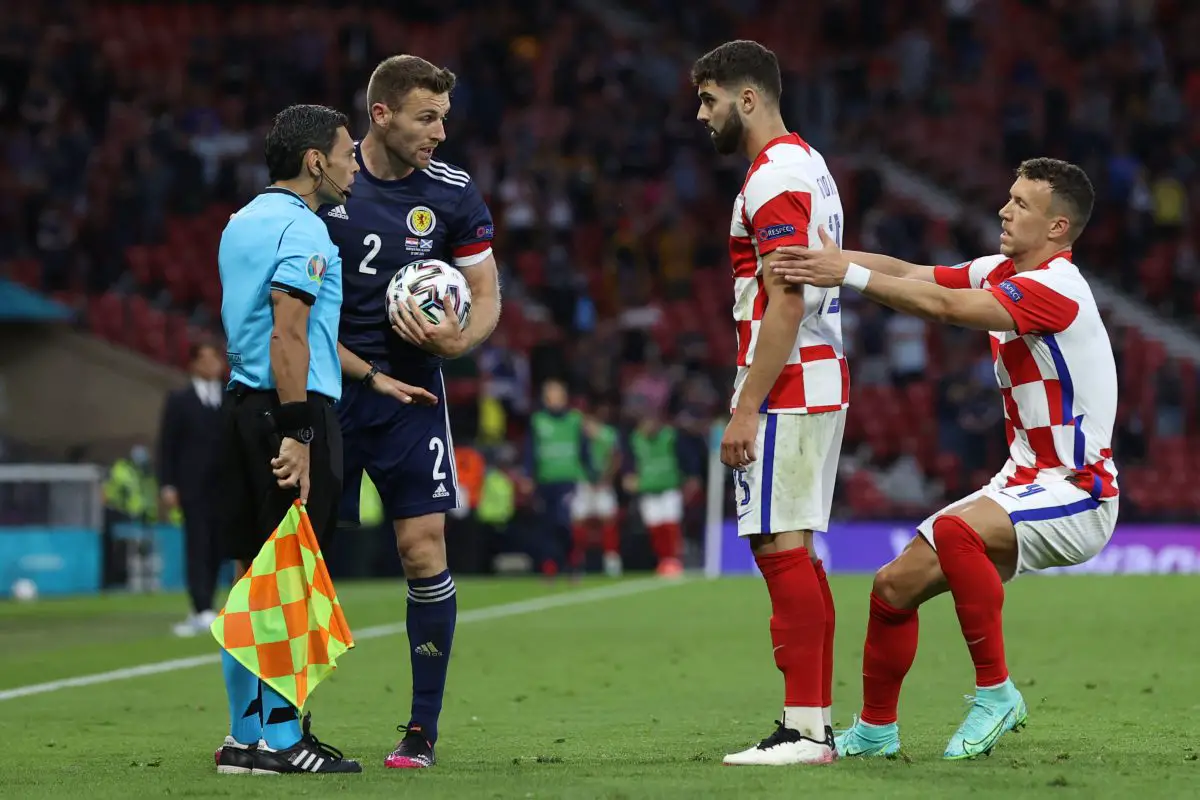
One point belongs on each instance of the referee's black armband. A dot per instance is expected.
(299, 294)
(292, 417)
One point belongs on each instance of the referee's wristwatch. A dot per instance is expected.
(301, 435)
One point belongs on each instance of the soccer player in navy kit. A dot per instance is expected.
(409, 206)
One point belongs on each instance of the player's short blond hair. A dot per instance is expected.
(398, 75)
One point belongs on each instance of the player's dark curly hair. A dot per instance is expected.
(740, 62)
(296, 130)
(395, 77)
(1070, 188)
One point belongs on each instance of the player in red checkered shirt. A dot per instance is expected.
(791, 390)
(1054, 502)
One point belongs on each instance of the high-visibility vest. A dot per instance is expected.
(469, 464)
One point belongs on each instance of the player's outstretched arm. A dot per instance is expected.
(776, 338)
(355, 369)
(790, 261)
(967, 308)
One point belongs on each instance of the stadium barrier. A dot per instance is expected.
(863, 547)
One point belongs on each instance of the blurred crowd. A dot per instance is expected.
(120, 123)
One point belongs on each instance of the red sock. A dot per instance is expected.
(797, 624)
(580, 537)
(827, 648)
(672, 539)
(656, 540)
(978, 596)
(610, 536)
(887, 657)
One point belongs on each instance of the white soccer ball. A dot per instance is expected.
(24, 590)
(432, 284)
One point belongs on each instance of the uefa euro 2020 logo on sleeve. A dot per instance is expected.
(316, 268)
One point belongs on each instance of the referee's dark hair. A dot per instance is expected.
(296, 130)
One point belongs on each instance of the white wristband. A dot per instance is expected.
(857, 276)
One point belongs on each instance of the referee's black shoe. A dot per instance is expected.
(234, 758)
(307, 755)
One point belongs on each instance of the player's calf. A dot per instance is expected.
(431, 618)
(892, 628)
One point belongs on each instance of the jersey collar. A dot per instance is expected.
(286, 193)
(762, 157)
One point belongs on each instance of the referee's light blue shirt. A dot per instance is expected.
(276, 241)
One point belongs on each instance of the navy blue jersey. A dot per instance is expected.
(432, 213)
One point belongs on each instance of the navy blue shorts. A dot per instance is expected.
(406, 450)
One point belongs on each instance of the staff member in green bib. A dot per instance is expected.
(655, 474)
(557, 460)
(594, 504)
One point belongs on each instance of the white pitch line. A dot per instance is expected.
(374, 632)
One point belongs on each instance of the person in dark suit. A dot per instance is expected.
(188, 476)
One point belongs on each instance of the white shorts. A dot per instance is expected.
(790, 486)
(663, 508)
(1057, 523)
(593, 502)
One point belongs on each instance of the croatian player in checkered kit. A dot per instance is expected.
(791, 390)
(1054, 502)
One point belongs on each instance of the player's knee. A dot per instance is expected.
(907, 580)
(422, 546)
(952, 533)
(890, 584)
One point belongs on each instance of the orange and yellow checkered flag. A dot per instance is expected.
(282, 620)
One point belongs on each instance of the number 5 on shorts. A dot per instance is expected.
(739, 476)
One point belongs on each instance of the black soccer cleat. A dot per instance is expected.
(414, 751)
(305, 756)
(234, 758)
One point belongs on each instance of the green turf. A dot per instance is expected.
(627, 697)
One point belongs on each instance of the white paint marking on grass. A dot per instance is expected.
(374, 632)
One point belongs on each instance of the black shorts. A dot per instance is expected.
(251, 503)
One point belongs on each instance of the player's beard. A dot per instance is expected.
(729, 138)
(399, 148)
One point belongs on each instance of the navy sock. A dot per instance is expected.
(241, 685)
(281, 719)
(432, 611)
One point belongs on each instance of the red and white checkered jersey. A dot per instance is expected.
(1056, 371)
(789, 192)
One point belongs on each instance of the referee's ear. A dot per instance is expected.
(312, 159)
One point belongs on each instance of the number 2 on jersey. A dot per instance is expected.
(436, 445)
(372, 241)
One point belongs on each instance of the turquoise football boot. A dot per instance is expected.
(994, 712)
(865, 739)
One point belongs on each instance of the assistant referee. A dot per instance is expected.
(281, 278)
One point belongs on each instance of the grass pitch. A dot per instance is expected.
(629, 690)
